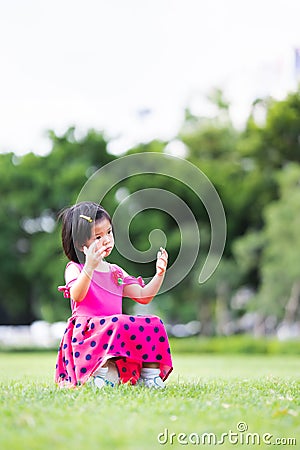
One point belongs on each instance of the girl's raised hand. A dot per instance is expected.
(162, 261)
(94, 254)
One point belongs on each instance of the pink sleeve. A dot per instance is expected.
(133, 280)
(66, 288)
(119, 278)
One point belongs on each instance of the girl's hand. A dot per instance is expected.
(162, 261)
(94, 254)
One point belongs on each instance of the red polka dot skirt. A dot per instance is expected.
(89, 343)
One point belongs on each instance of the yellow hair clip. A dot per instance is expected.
(89, 219)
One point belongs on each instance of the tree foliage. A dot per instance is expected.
(256, 172)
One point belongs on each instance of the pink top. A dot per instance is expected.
(104, 296)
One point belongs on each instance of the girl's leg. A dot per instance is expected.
(106, 374)
(151, 365)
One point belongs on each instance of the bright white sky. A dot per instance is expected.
(97, 63)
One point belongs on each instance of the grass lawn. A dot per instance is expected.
(205, 394)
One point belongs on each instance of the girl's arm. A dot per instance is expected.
(82, 282)
(145, 294)
(80, 286)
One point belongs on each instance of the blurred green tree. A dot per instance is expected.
(33, 190)
(255, 172)
(279, 290)
(270, 145)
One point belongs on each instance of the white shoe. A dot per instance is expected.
(152, 383)
(100, 382)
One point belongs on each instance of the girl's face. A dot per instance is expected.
(102, 232)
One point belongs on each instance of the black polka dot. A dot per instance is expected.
(124, 369)
(62, 375)
(67, 362)
(111, 347)
(169, 350)
(153, 347)
(78, 325)
(148, 338)
(83, 370)
(114, 319)
(123, 344)
(134, 373)
(133, 337)
(105, 346)
(158, 357)
(141, 328)
(138, 347)
(74, 340)
(93, 344)
(102, 321)
(92, 326)
(126, 326)
(65, 346)
(118, 336)
(162, 339)
(88, 357)
(73, 321)
(77, 354)
(148, 320)
(128, 353)
(156, 330)
(145, 356)
(81, 342)
(110, 332)
(132, 319)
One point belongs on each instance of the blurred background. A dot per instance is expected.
(215, 83)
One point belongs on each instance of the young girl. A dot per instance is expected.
(98, 336)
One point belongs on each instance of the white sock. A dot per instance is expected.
(101, 372)
(149, 372)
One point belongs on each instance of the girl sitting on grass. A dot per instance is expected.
(98, 335)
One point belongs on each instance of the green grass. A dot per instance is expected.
(236, 344)
(205, 393)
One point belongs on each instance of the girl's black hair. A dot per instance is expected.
(76, 230)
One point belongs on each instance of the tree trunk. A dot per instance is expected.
(292, 305)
